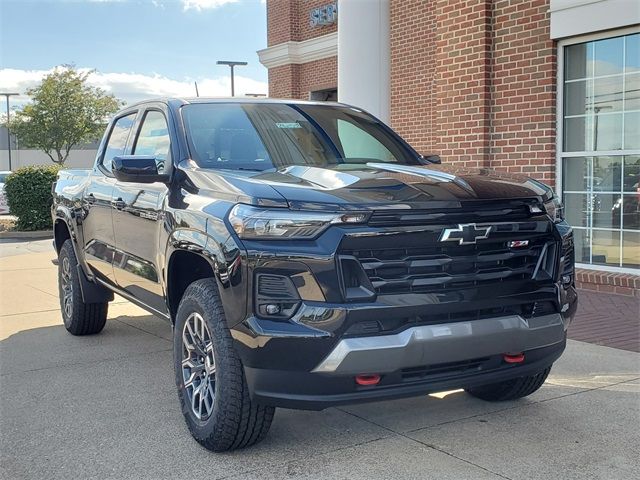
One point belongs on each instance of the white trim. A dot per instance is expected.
(608, 268)
(569, 18)
(601, 153)
(619, 32)
(288, 53)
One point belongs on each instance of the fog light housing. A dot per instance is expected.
(275, 296)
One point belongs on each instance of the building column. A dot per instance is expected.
(363, 56)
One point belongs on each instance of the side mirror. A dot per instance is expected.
(427, 159)
(137, 169)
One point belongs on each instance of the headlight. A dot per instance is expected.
(554, 209)
(280, 223)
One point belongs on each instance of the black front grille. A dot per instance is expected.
(417, 262)
(477, 212)
(568, 254)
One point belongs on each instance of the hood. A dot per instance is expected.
(372, 186)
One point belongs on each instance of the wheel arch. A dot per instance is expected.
(192, 256)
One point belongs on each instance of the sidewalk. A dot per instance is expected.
(607, 319)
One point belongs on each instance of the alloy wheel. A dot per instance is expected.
(67, 289)
(198, 366)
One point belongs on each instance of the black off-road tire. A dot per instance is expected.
(79, 318)
(510, 389)
(236, 421)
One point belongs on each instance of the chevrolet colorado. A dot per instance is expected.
(307, 257)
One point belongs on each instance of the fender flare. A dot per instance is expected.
(91, 291)
(206, 247)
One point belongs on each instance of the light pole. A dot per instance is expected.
(7, 95)
(231, 65)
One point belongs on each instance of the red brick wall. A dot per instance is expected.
(462, 77)
(318, 75)
(474, 80)
(413, 61)
(284, 81)
(524, 97)
(296, 81)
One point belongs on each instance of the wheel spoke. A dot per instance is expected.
(198, 365)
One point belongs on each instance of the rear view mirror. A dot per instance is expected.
(137, 169)
(430, 158)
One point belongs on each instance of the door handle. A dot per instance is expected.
(119, 204)
(91, 198)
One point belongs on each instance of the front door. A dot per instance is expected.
(97, 226)
(138, 217)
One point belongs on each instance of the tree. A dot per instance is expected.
(65, 111)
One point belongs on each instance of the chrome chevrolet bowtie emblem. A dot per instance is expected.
(465, 234)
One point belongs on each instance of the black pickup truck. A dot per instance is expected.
(308, 257)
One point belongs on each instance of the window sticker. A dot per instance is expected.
(289, 125)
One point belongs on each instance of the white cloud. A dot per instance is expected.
(132, 87)
(200, 5)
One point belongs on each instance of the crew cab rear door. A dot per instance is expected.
(97, 226)
(138, 214)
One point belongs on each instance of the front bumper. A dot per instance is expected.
(418, 360)
(315, 391)
(435, 344)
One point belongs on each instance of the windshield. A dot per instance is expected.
(271, 136)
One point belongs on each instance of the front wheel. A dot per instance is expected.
(210, 377)
(79, 318)
(511, 389)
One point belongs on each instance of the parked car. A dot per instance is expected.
(4, 207)
(308, 257)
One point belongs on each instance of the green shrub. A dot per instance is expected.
(28, 192)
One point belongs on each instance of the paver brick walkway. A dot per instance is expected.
(607, 319)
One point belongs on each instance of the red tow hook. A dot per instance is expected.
(513, 357)
(368, 379)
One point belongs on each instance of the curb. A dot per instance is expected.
(36, 235)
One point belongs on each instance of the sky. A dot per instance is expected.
(139, 48)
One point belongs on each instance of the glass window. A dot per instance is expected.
(117, 139)
(632, 92)
(577, 207)
(607, 56)
(577, 98)
(632, 53)
(601, 113)
(607, 94)
(607, 173)
(608, 132)
(578, 61)
(153, 139)
(632, 131)
(578, 134)
(576, 174)
(605, 247)
(631, 179)
(631, 249)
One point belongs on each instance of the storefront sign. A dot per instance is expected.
(325, 15)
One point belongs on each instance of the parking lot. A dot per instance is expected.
(106, 407)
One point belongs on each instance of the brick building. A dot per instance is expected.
(548, 88)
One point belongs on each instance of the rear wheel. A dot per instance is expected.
(210, 378)
(79, 318)
(511, 389)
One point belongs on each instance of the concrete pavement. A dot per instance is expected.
(105, 407)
